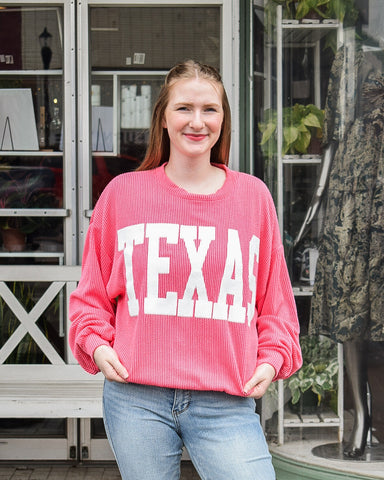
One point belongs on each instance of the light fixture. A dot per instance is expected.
(45, 43)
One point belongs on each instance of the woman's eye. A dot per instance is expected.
(210, 109)
(181, 109)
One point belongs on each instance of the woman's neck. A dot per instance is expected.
(195, 177)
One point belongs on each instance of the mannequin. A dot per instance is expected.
(356, 367)
(347, 303)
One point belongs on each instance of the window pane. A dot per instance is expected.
(31, 38)
(30, 182)
(154, 38)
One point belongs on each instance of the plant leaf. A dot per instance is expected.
(290, 134)
(267, 133)
(311, 120)
(303, 142)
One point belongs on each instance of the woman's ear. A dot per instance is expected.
(164, 123)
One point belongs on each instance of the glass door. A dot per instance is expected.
(77, 84)
(126, 52)
(37, 228)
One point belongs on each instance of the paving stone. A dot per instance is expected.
(77, 472)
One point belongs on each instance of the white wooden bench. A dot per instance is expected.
(60, 389)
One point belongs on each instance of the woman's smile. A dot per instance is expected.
(195, 137)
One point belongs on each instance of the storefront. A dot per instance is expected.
(77, 85)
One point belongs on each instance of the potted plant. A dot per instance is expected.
(22, 189)
(319, 372)
(294, 9)
(301, 124)
(342, 10)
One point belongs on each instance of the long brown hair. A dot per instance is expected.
(159, 147)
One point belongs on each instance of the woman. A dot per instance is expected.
(184, 303)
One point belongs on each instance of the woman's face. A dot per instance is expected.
(193, 118)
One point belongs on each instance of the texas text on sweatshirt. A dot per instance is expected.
(191, 290)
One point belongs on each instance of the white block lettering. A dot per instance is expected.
(231, 283)
(159, 265)
(254, 249)
(196, 279)
(126, 237)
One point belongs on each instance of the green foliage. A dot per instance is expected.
(300, 123)
(319, 371)
(305, 7)
(342, 10)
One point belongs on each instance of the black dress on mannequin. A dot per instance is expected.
(348, 300)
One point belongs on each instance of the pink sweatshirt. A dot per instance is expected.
(192, 291)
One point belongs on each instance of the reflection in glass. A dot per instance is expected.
(21, 44)
(122, 150)
(299, 186)
(33, 427)
(34, 182)
(47, 98)
(123, 41)
(155, 38)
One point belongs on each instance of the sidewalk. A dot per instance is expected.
(75, 472)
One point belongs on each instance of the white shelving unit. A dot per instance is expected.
(295, 34)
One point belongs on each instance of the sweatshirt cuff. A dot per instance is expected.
(92, 342)
(272, 358)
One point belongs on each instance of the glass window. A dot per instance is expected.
(31, 38)
(31, 134)
(131, 50)
(319, 146)
(154, 38)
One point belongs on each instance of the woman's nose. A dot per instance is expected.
(197, 121)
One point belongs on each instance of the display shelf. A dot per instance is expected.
(23, 73)
(34, 254)
(326, 418)
(302, 291)
(301, 159)
(34, 212)
(30, 153)
(294, 185)
(306, 33)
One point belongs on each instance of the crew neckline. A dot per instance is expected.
(180, 192)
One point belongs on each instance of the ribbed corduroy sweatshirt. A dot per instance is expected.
(192, 291)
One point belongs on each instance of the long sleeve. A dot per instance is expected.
(92, 311)
(277, 323)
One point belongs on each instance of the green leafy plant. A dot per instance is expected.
(319, 371)
(300, 124)
(342, 10)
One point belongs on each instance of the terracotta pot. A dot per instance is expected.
(13, 240)
(315, 147)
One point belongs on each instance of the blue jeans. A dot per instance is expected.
(148, 426)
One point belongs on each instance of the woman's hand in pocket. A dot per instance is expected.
(260, 381)
(109, 364)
